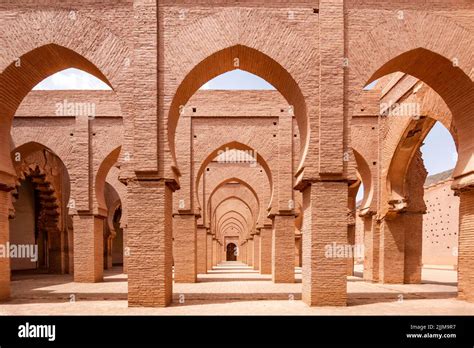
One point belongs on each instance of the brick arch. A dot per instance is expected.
(241, 182)
(255, 177)
(407, 141)
(230, 242)
(415, 48)
(231, 216)
(227, 229)
(231, 225)
(234, 146)
(39, 163)
(236, 209)
(115, 204)
(251, 60)
(224, 201)
(121, 189)
(99, 52)
(100, 179)
(366, 177)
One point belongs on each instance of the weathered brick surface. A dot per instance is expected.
(256, 252)
(466, 255)
(324, 275)
(4, 237)
(150, 263)
(283, 249)
(155, 56)
(185, 248)
(201, 254)
(88, 248)
(266, 250)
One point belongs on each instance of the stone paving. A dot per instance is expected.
(233, 288)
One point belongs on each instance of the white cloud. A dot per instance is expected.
(71, 79)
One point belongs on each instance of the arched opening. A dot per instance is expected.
(231, 253)
(222, 150)
(429, 95)
(38, 214)
(252, 61)
(36, 65)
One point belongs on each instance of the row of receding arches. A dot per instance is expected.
(154, 156)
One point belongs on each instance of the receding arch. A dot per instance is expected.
(232, 215)
(234, 146)
(19, 78)
(241, 182)
(238, 199)
(108, 162)
(248, 59)
(452, 85)
(365, 173)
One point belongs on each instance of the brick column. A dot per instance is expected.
(392, 250)
(283, 249)
(413, 247)
(324, 223)
(218, 251)
(55, 264)
(256, 251)
(209, 250)
(266, 250)
(185, 248)
(250, 252)
(150, 242)
(201, 250)
(243, 250)
(4, 239)
(371, 248)
(466, 246)
(298, 250)
(214, 252)
(126, 250)
(351, 241)
(88, 248)
(108, 252)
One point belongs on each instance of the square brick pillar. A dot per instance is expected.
(466, 246)
(256, 251)
(351, 241)
(201, 250)
(324, 225)
(4, 239)
(214, 252)
(108, 252)
(250, 252)
(283, 249)
(371, 248)
(266, 250)
(209, 248)
(298, 254)
(150, 242)
(392, 250)
(55, 251)
(243, 250)
(219, 252)
(185, 248)
(413, 247)
(126, 250)
(88, 248)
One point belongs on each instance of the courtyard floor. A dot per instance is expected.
(233, 288)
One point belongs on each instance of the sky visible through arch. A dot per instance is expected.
(439, 152)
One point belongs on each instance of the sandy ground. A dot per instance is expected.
(233, 289)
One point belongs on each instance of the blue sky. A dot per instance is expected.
(439, 151)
